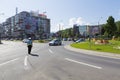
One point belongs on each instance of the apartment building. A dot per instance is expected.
(27, 24)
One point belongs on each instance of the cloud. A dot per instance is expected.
(71, 22)
(78, 21)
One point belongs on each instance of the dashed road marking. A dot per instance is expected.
(8, 61)
(26, 64)
(93, 66)
(50, 51)
(25, 61)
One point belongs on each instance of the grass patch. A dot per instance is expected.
(112, 47)
(40, 41)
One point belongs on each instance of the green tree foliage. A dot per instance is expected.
(67, 33)
(110, 27)
(70, 32)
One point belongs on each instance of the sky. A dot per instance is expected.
(64, 13)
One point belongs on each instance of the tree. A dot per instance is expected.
(67, 33)
(118, 28)
(110, 27)
(70, 32)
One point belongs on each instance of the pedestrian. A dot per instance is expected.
(29, 45)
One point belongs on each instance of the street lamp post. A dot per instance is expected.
(0, 34)
(1, 28)
(59, 31)
(99, 26)
(89, 27)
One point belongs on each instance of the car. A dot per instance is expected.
(25, 40)
(55, 42)
(80, 40)
(64, 39)
(69, 39)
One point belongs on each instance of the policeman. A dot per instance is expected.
(29, 45)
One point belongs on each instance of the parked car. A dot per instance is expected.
(80, 40)
(55, 42)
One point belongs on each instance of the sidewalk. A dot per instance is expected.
(90, 52)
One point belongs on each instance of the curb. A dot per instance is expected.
(90, 52)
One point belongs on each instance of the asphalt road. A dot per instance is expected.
(53, 63)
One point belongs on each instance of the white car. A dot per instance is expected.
(55, 42)
(25, 40)
(80, 40)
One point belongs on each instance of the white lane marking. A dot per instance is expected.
(8, 62)
(50, 51)
(71, 60)
(26, 61)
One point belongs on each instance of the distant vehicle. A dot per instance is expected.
(25, 40)
(69, 39)
(11, 39)
(64, 39)
(55, 42)
(80, 40)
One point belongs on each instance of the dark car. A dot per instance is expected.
(55, 42)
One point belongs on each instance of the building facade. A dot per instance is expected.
(85, 30)
(27, 24)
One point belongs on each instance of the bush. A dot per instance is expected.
(118, 38)
(41, 41)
